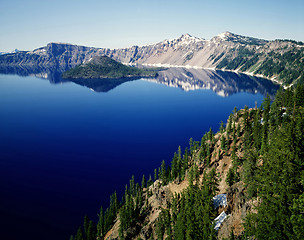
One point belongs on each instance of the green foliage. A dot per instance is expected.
(249, 173)
(163, 173)
(191, 214)
(218, 57)
(91, 232)
(100, 224)
(277, 181)
(232, 237)
(155, 174)
(79, 235)
(143, 182)
(223, 142)
(297, 217)
(287, 64)
(222, 129)
(232, 177)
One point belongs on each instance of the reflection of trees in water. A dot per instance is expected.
(102, 85)
(222, 82)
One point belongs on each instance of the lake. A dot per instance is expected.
(66, 146)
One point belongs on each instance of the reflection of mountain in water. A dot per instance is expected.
(221, 82)
(52, 74)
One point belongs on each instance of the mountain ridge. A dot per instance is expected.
(281, 60)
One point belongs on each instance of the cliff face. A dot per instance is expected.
(273, 59)
(59, 55)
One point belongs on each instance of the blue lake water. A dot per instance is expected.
(65, 148)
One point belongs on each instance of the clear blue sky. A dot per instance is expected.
(29, 24)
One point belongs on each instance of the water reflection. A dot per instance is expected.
(102, 85)
(53, 74)
(221, 82)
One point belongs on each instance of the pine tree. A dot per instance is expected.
(266, 110)
(79, 235)
(223, 142)
(132, 186)
(235, 112)
(163, 173)
(155, 174)
(143, 182)
(91, 235)
(299, 95)
(150, 181)
(277, 189)
(232, 237)
(229, 125)
(222, 127)
(210, 135)
(257, 130)
(191, 146)
(238, 130)
(100, 227)
(297, 217)
(180, 227)
(160, 230)
(231, 177)
(86, 225)
(174, 167)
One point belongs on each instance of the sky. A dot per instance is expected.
(30, 24)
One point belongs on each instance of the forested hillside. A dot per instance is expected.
(280, 58)
(256, 159)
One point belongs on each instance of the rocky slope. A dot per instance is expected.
(238, 183)
(244, 175)
(160, 196)
(280, 59)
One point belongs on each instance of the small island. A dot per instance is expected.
(103, 67)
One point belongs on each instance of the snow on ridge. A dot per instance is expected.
(184, 39)
(224, 35)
